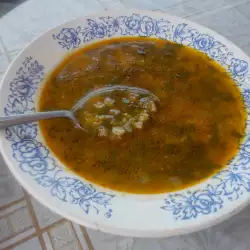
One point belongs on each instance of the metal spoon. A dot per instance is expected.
(8, 121)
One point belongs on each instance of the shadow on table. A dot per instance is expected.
(8, 5)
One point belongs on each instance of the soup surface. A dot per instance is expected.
(194, 132)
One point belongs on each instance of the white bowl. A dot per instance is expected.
(44, 176)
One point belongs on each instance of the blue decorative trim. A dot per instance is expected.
(34, 158)
(232, 184)
(70, 38)
(135, 24)
(203, 42)
(235, 181)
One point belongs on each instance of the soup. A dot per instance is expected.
(191, 134)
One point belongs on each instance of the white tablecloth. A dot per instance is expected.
(27, 225)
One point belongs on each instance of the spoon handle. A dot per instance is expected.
(12, 120)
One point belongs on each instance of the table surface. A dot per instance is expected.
(25, 224)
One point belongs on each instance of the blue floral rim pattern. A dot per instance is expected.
(34, 158)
